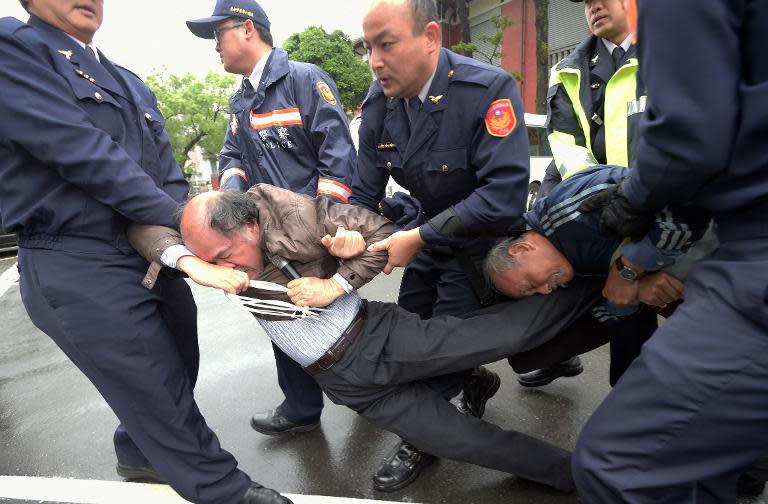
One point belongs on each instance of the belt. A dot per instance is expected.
(332, 356)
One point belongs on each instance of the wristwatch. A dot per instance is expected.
(625, 271)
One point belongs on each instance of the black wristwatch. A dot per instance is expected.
(625, 271)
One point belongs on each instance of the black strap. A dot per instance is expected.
(479, 286)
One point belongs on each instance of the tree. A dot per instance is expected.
(494, 41)
(333, 52)
(196, 111)
(542, 54)
(453, 9)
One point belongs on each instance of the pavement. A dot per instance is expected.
(56, 430)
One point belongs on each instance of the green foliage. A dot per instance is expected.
(196, 111)
(333, 52)
(501, 23)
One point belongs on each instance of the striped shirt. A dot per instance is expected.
(305, 340)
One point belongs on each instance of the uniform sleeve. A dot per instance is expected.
(232, 177)
(41, 117)
(689, 127)
(359, 270)
(566, 137)
(369, 184)
(331, 140)
(501, 164)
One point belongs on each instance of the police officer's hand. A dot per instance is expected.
(659, 289)
(402, 247)
(313, 291)
(620, 291)
(618, 217)
(211, 275)
(344, 244)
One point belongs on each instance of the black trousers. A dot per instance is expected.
(387, 376)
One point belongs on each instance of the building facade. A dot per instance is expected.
(567, 27)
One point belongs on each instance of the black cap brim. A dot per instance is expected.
(203, 27)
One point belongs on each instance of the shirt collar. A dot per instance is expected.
(624, 45)
(424, 90)
(258, 71)
(84, 45)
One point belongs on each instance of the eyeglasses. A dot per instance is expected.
(218, 31)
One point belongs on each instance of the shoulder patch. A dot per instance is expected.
(500, 119)
(326, 93)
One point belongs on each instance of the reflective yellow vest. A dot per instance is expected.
(621, 104)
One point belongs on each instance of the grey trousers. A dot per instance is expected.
(390, 375)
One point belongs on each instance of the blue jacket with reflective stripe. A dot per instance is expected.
(291, 133)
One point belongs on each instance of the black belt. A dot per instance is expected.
(332, 356)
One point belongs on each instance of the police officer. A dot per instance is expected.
(688, 415)
(450, 130)
(287, 129)
(83, 154)
(593, 106)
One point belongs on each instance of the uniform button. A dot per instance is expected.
(450, 74)
(389, 165)
(595, 85)
(148, 116)
(444, 168)
(98, 96)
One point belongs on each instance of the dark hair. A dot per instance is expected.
(423, 12)
(231, 211)
(25, 4)
(264, 34)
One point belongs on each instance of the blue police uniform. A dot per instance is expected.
(292, 133)
(688, 415)
(464, 158)
(83, 153)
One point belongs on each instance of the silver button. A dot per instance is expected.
(444, 168)
(148, 116)
(389, 165)
(98, 96)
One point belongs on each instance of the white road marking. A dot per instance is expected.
(117, 492)
(8, 278)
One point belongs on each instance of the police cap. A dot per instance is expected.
(225, 9)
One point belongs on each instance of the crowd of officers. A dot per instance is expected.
(684, 110)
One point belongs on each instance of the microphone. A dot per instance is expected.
(285, 266)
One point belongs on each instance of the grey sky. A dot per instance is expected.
(146, 34)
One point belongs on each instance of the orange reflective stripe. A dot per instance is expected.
(334, 188)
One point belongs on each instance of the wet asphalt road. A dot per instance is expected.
(54, 423)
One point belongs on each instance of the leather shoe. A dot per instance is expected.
(273, 423)
(747, 486)
(257, 494)
(478, 387)
(544, 376)
(401, 468)
(144, 474)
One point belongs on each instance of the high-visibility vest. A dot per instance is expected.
(622, 106)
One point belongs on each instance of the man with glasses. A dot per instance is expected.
(287, 129)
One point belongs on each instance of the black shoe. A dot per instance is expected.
(544, 376)
(401, 468)
(273, 423)
(142, 474)
(257, 494)
(479, 386)
(747, 486)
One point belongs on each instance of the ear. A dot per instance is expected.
(519, 248)
(432, 32)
